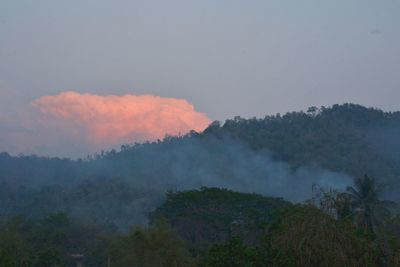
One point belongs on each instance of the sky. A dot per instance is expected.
(217, 58)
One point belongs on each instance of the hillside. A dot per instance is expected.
(264, 165)
(345, 138)
(278, 156)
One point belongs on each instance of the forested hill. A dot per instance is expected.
(278, 156)
(346, 138)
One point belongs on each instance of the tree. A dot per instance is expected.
(368, 209)
(306, 236)
(233, 254)
(14, 250)
(155, 246)
(214, 215)
(332, 202)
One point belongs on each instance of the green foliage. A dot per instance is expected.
(332, 202)
(155, 246)
(344, 138)
(387, 238)
(209, 215)
(233, 254)
(281, 234)
(49, 242)
(121, 187)
(369, 209)
(14, 249)
(306, 236)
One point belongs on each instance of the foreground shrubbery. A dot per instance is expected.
(329, 230)
(50, 242)
(155, 246)
(306, 236)
(211, 215)
(353, 228)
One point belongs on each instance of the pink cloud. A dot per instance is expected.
(112, 120)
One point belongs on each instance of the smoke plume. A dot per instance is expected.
(188, 163)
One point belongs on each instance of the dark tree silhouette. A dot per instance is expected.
(369, 210)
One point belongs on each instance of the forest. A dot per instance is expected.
(309, 188)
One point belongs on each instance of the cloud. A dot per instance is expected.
(115, 119)
(74, 124)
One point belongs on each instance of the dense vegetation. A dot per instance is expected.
(145, 205)
(182, 230)
(346, 138)
(211, 215)
(226, 229)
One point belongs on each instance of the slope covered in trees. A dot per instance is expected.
(346, 138)
(280, 156)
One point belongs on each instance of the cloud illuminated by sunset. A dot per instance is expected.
(127, 118)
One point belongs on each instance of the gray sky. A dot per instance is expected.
(226, 57)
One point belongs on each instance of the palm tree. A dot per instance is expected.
(368, 209)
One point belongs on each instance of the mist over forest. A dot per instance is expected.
(279, 156)
(282, 158)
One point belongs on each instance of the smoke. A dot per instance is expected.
(188, 163)
(122, 187)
